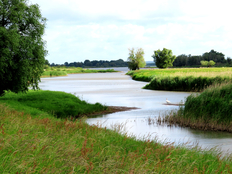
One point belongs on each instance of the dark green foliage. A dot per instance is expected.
(21, 46)
(184, 60)
(60, 104)
(186, 83)
(95, 63)
(214, 56)
(164, 58)
(215, 103)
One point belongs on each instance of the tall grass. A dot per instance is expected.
(50, 145)
(185, 79)
(59, 104)
(187, 83)
(54, 73)
(210, 110)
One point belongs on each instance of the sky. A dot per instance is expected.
(77, 30)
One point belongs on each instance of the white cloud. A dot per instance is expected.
(79, 30)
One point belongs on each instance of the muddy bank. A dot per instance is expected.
(110, 110)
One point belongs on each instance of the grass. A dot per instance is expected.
(50, 72)
(210, 110)
(182, 79)
(59, 104)
(31, 144)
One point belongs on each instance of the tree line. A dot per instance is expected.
(94, 63)
(189, 60)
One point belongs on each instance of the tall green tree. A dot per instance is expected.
(22, 49)
(136, 59)
(164, 58)
(215, 56)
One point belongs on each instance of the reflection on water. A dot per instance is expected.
(117, 89)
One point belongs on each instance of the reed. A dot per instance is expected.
(210, 110)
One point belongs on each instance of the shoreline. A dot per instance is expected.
(110, 110)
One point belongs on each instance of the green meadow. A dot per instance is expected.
(37, 135)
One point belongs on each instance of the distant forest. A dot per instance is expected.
(95, 63)
(180, 61)
(189, 60)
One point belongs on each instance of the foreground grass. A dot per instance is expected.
(210, 110)
(59, 104)
(51, 72)
(182, 79)
(30, 144)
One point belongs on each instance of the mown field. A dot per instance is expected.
(34, 139)
(51, 72)
(182, 79)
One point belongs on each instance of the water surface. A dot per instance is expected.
(118, 89)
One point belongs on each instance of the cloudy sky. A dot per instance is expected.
(104, 29)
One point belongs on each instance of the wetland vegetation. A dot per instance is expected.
(209, 110)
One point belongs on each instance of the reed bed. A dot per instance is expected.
(210, 110)
(30, 144)
(184, 79)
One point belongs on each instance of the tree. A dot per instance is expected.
(164, 58)
(136, 59)
(211, 63)
(204, 63)
(229, 60)
(207, 63)
(215, 56)
(22, 49)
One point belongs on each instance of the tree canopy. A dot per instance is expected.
(22, 49)
(95, 63)
(164, 58)
(189, 60)
(136, 59)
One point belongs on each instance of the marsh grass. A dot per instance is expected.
(210, 110)
(59, 104)
(50, 145)
(184, 79)
(51, 72)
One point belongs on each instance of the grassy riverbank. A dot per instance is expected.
(58, 104)
(182, 79)
(51, 72)
(210, 110)
(31, 144)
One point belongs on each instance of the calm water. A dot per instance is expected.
(118, 89)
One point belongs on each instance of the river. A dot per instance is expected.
(118, 89)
